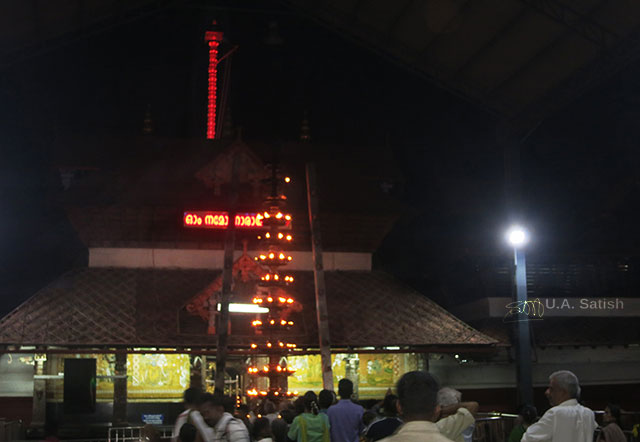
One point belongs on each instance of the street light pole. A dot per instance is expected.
(523, 347)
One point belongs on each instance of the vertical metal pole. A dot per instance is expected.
(523, 348)
(318, 274)
(512, 145)
(120, 390)
(39, 410)
(227, 279)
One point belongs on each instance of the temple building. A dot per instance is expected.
(138, 324)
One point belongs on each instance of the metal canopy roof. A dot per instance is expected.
(520, 59)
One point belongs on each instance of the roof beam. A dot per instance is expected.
(103, 24)
(497, 37)
(396, 21)
(364, 35)
(578, 22)
(437, 38)
(604, 66)
(532, 61)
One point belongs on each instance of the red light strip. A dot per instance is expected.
(213, 38)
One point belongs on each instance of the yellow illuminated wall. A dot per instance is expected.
(150, 377)
(157, 376)
(376, 373)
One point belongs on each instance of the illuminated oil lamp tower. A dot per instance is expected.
(272, 293)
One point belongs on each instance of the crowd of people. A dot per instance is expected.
(419, 411)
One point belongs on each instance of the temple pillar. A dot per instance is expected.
(39, 410)
(198, 372)
(423, 361)
(278, 381)
(120, 390)
(351, 371)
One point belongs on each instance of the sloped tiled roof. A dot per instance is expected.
(146, 307)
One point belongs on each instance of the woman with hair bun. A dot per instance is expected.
(311, 425)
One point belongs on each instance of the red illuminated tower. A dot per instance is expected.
(272, 292)
(213, 38)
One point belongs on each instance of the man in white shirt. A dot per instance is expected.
(192, 415)
(223, 426)
(417, 405)
(456, 417)
(566, 420)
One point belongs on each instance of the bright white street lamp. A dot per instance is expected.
(517, 236)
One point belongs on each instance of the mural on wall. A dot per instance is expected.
(157, 376)
(373, 373)
(308, 374)
(150, 376)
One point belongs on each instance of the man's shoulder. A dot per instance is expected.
(349, 404)
(426, 437)
(236, 430)
(229, 424)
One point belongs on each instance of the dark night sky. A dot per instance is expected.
(580, 165)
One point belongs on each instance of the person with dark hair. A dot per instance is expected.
(610, 430)
(417, 404)
(345, 416)
(310, 426)
(368, 417)
(188, 433)
(526, 416)
(279, 429)
(387, 426)
(298, 406)
(325, 400)
(269, 410)
(223, 426)
(191, 415)
(612, 414)
(287, 415)
(262, 430)
(566, 420)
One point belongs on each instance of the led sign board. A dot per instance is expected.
(205, 219)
